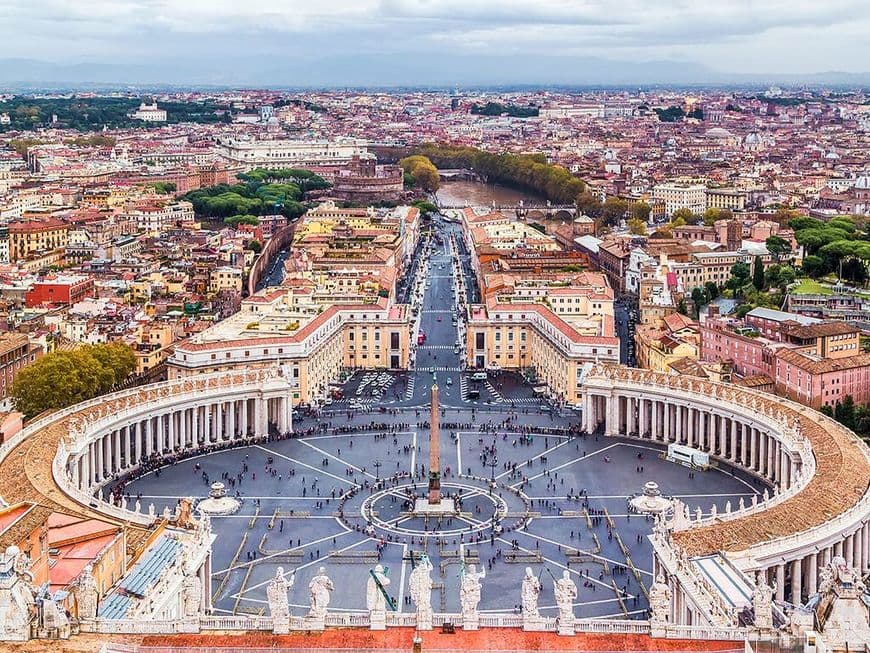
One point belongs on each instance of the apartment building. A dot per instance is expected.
(678, 196)
(808, 360)
(31, 236)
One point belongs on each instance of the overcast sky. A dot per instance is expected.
(785, 36)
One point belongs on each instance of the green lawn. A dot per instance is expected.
(811, 287)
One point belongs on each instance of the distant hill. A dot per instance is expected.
(409, 71)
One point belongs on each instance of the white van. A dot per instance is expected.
(478, 376)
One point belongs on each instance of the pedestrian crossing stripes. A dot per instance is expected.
(496, 395)
(463, 388)
(434, 347)
(523, 400)
(439, 369)
(409, 390)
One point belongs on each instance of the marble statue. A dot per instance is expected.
(376, 600)
(16, 597)
(420, 584)
(469, 596)
(279, 604)
(566, 593)
(531, 589)
(87, 594)
(659, 604)
(762, 603)
(52, 621)
(191, 595)
(318, 593)
(844, 592)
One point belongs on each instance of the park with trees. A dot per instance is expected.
(262, 192)
(92, 113)
(837, 246)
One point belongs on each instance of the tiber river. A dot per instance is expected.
(475, 193)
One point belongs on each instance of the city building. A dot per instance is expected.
(678, 196)
(148, 112)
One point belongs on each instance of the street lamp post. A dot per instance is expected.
(377, 466)
(491, 462)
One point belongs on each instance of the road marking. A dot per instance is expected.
(298, 462)
(285, 551)
(570, 462)
(329, 455)
(543, 453)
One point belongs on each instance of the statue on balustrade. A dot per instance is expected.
(16, 597)
(566, 593)
(762, 603)
(279, 604)
(529, 594)
(319, 594)
(420, 584)
(191, 594)
(469, 596)
(86, 594)
(659, 604)
(376, 597)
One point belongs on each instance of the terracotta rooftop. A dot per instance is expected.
(822, 366)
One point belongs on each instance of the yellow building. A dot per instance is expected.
(676, 337)
(28, 237)
(225, 278)
(314, 342)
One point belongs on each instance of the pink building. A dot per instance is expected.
(810, 361)
(819, 382)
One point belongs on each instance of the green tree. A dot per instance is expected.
(614, 210)
(426, 208)
(236, 220)
(640, 211)
(699, 298)
(165, 187)
(758, 273)
(683, 214)
(423, 171)
(814, 266)
(637, 227)
(778, 247)
(712, 290)
(845, 412)
(254, 245)
(63, 378)
(740, 271)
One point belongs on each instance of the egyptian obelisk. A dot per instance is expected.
(434, 449)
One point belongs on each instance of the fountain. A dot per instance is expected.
(650, 500)
(218, 503)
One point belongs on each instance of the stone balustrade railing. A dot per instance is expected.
(361, 620)
(698, 588)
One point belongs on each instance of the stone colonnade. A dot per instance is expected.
(738, 437)
(187, 422)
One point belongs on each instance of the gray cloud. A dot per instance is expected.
(737, 35)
